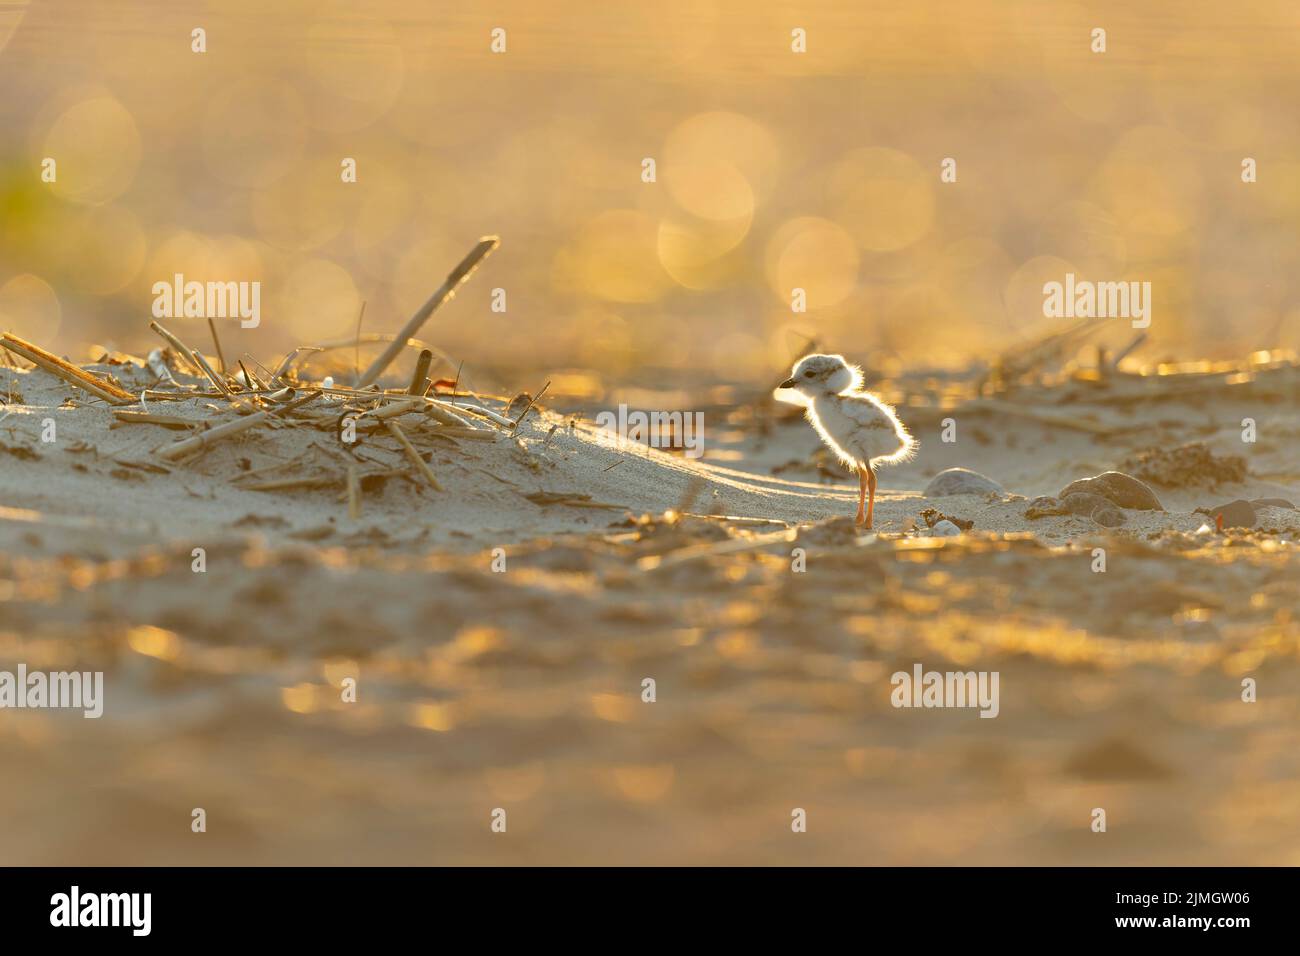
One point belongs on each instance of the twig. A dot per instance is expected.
(440, 414)
(182, 351)
(288, 359)
(251, 381)
(414, 455)
(149, 418)
(285, 484)
(99, 387)
(221, 356)
(207, 370)
(356, 348)
(455, 386)
(483, 412)
(213, 435)
(421, 373)
(458, 275)
(295, 404)
(473, 434)
(528, 407)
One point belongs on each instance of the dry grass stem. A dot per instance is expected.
(99, 387)
(420, 464)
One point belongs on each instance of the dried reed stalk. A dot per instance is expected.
(473, 434)
(396, 431)
(183, 351)
(483, 412)
(212, 436)
(284, 484)
(458, 275)
(440, 414)
(532, 399)
(221, 356)
(208, 370)
(151, 418)
(99, 387)
(421, 373)
(395, 409)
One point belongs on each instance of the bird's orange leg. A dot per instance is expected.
(871, 489)
(862, 496)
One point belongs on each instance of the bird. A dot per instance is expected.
(861, 429)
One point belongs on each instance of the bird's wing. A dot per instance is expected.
(865, 410)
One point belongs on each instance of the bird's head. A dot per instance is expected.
(823, 375)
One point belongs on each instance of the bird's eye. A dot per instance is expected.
(808, 374)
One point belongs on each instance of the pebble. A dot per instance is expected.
(1108, 516)
(1083, 503)
(945, 529)
(1099, 509)
(1236, 514)
(961, 481)
(1120, 489)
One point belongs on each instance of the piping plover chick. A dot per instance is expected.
(861, 429)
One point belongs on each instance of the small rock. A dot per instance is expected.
(1043, 501)
(1235, 514)
(1120, 489)
(1272, 503)
(1099, 509)
(1108, 516)
(1083, 503)
(945, 529)
(961, 481)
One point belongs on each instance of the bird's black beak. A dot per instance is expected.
(788, 383)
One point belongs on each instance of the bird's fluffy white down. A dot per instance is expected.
(858, 426)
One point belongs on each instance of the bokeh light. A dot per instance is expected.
(29, 308)
(615, 257)
(814, 255)
(96, 149)
(254, 132)
(775, 171)
(883, 197)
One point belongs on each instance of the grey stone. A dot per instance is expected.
(1108, 516)
(1120, 489)
(945, 529)
(1082, 503)
(1236, 514)
(961, 481)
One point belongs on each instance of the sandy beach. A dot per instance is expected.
(499, 632)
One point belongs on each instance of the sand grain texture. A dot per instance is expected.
(522, 689)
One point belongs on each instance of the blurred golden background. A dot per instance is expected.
(774, 170)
